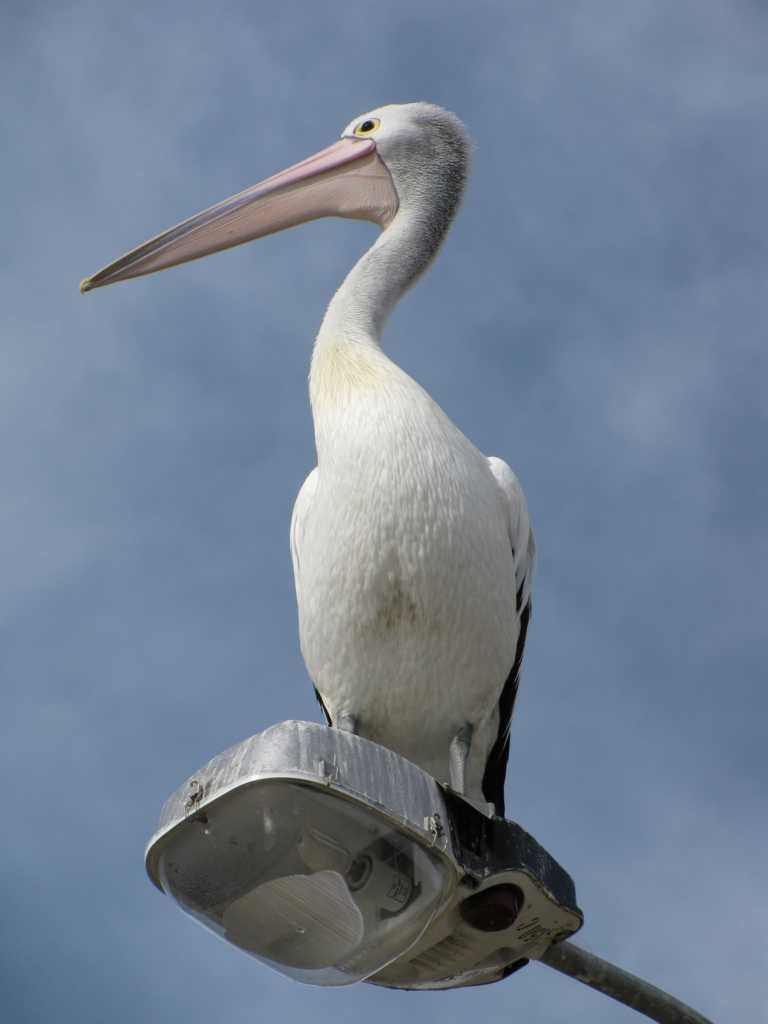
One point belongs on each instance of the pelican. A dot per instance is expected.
(412, 552)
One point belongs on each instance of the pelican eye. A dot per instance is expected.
(367, 127)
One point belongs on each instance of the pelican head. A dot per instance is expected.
(425, 149)
(397, 159)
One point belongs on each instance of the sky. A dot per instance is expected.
(596, 318)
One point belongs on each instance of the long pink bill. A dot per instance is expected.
(348, 179)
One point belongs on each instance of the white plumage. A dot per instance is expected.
(412, 552)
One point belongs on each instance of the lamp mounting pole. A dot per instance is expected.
(620, 985)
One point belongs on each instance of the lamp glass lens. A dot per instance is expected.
(320, 887)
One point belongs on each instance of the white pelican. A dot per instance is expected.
(412, 551)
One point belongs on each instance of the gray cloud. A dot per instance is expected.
(597, 318)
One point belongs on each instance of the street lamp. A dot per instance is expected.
(334, 860)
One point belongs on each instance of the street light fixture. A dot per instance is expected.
(334, 860)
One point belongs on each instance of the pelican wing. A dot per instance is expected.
(298, 520)
(301, 510)
(523, 550)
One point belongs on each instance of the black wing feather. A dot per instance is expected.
(325, 709)
(496, 766)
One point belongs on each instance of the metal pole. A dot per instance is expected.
(620, 985)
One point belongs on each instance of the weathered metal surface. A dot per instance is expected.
(479, 852)
(315, 754)
(491, 853)
(620, 985)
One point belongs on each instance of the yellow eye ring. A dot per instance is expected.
(368, 126)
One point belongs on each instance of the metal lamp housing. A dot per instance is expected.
(334, 860)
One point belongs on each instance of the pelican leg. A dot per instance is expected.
(458, 752)
(348, 722)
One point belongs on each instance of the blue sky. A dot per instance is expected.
(597, 318)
